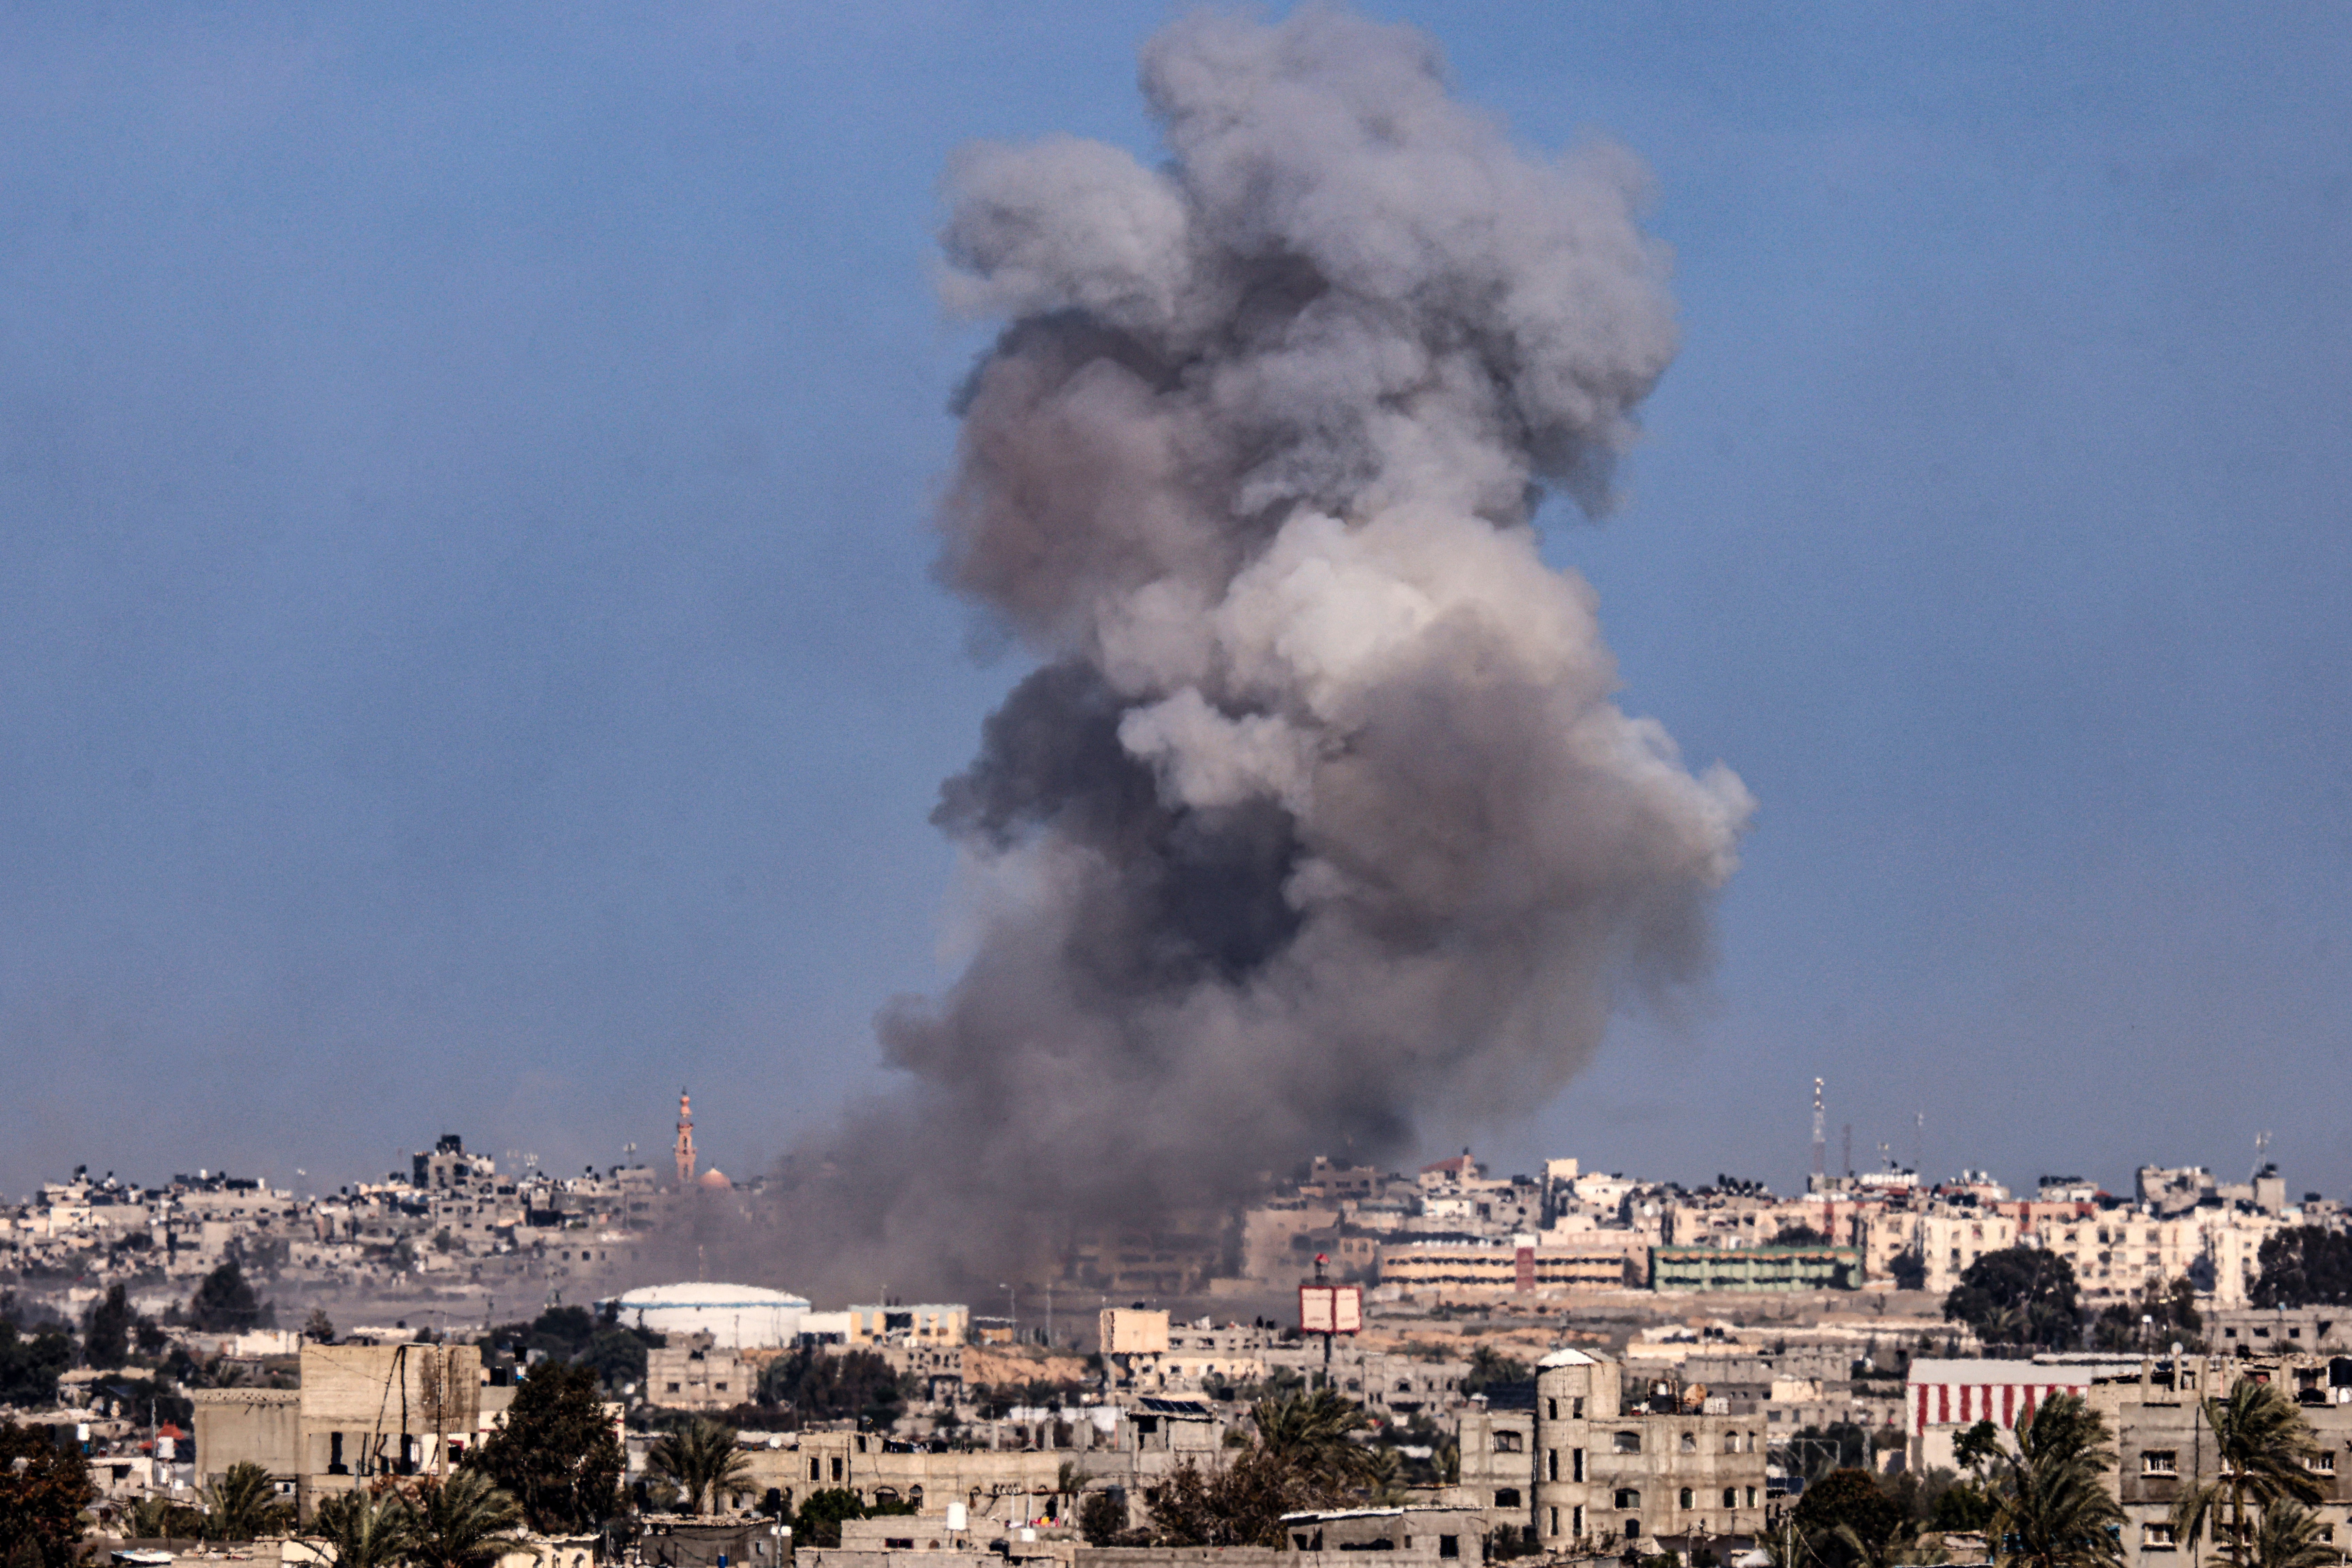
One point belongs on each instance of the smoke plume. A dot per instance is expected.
(1316, 820)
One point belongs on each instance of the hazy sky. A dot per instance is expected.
(467, 658)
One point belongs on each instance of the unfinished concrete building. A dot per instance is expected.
(1574, 1471)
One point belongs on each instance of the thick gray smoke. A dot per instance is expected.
(1316, 820)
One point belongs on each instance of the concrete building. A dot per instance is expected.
(695, 1374)
(1472, 1265)
(2164, 1447)
(1756, 1269)
(1125, 1331)
(363, 1411)
(2280, 1330)
(1944, 1398)
(1576, 1471)
(935, 1323)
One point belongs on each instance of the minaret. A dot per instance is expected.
(685, 1140)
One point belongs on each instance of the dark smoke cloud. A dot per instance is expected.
(1316, 818)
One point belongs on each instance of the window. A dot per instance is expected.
(1632, 1529)
(2158, 1462)
(1731, 1442)
(1508, 1442)
(1731, 1497)
(2323, 1464)
(1626, 1497)
(836, 1469)
(1507, 1497)
(1751, 1497)
(1627, 1442)
(1576, 1457)
(335, 1465)
(1690, 1442)
(1551, 1468)
(673, 1388)
(1449, 1546)
(813, 1472)
(719, 1386)
(1555, 1522)
(1575, 1409)
(1576, 1520)
(2157, 1538)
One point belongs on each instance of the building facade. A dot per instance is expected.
(1576, 1471)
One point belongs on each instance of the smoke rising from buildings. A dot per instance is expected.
(1315, 818)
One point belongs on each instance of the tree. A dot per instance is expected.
(1489, 1366)
(1847, 1505)
(1102, 1517)
(43, 1489)
(703, 1462)
(241, 1503)
(1239, 1505)
(363, 1530)
(2157, 1317)
(618, 1354)
(2290, 1537)
(556, 1454)
(465, 1522)
(1309, 1434)
(2018, 1296)
(319, 1328)
(821, 1387)
(819, 1521)
(1977, 1446)
(2308, 1266)
(225, 1302)
(106, 1330)
(29, 1367)
(2263, 1447)
(158, 1518)
(2051, 1508)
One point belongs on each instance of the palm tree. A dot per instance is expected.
(159, 1518)
(463, 1522)
(702, 1461)
(241, 1503)
(363, 1531)
(2052, 1509)
(1307, 1434)
(2288, 1537)
(2265, 1447)
(1383, 1478)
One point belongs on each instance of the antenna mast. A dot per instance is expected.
(1821, 1136)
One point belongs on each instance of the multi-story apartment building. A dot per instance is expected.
(1577, 1471)
(2165, 1446)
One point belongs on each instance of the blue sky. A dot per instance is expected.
(467, 660)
